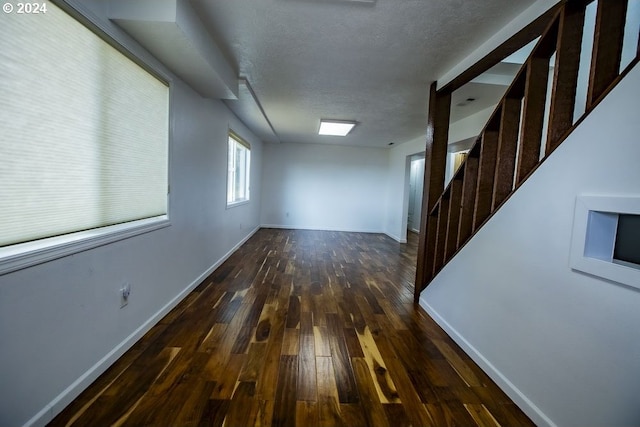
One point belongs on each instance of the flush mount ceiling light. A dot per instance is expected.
(335, 127)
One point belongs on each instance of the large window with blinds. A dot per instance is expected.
(84, 133)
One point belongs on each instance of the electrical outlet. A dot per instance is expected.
(125, 292)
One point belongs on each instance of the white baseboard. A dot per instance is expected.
(70, 393)
(527, 406)
(396, 238)
(342, 230)
(316, 228)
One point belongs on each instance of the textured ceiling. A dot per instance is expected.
(371, 62)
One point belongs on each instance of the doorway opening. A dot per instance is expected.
(416, 184)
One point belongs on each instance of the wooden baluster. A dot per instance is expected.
(508, 142)
(443, 220)
(432, 235)
(486, 171)
(469, 193)
(607, 47)
(453, 223)
(535, 96)
(565, 79)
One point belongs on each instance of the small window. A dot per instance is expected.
(239, 165)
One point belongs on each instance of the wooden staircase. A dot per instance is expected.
(513, 143)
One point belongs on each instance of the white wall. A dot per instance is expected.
(326, 187)
(470, 126)
(564, 345)
(338, 187)
(60, 322)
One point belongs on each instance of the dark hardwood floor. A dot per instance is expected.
(298, 328)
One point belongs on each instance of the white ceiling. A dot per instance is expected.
(482, 92)
(369, 61)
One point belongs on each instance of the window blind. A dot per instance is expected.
(83, 131)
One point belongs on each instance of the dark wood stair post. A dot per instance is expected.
(435, 166)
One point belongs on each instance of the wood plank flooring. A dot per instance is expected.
(298, 328)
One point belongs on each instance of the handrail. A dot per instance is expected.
(511, 147)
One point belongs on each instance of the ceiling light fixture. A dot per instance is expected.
(335, 127)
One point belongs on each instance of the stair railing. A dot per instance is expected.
(525, 127)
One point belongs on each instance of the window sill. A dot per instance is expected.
(238, 203)
(23, 255)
